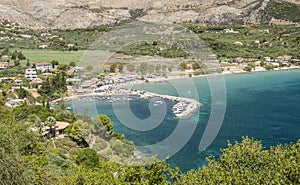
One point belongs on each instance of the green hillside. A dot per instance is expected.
(283, 10)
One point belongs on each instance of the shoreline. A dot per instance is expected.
(241, 71)
(194, 103)
(190, 105)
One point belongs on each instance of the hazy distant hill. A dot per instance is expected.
(62, 14)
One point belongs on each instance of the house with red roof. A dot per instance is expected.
(44, 66)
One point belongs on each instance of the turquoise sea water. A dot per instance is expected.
(264, 105)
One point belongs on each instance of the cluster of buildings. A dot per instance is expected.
(112, 78)
(34, 75)
(284, 62)
(31, 73)
(283, 58)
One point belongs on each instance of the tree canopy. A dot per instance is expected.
(248, 163)
(27, 158)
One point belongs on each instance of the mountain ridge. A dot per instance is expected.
(70, 14)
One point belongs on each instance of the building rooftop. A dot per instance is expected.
(43, 63)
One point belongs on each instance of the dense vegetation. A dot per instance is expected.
(250, 42)
(27, 158)
(248, 163)
(153, 49)
(15, 71)
(65, 40)
(54, 87)
(283, 10)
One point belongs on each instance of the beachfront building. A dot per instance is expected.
(287, 57)
(44, 66)
(283, 58)
(30, 74)
(89, 84)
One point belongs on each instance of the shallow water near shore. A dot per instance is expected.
(262, 105)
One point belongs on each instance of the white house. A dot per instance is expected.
(230, 31)
(30, 74)
(43, 46)
(70, 45)
(44, 66)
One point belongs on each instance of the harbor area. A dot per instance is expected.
(183, 107)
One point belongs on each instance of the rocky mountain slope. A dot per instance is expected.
(63, 14)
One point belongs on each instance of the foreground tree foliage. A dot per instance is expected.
(248, 163)
(115, 173)
(21, 153)
(26, 158)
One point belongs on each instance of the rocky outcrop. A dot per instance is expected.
(63, 14)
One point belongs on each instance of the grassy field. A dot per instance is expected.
(94, 58)
(63, 57)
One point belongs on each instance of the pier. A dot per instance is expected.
(184, 107)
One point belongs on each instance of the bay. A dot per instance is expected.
(262, 105)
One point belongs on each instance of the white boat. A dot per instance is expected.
(159, 102)
(177, 112)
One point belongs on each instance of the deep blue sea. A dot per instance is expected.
(262, 105)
